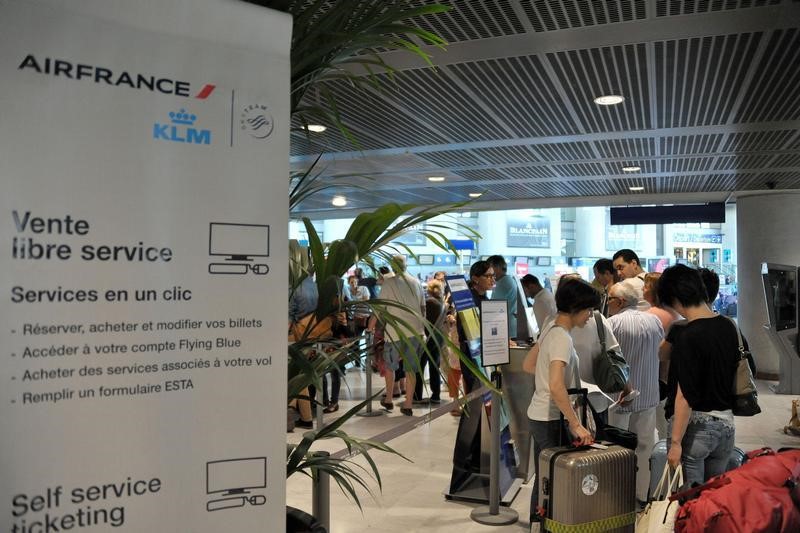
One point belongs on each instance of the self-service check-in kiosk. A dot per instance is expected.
(781, 296)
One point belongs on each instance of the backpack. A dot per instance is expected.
(763, 495)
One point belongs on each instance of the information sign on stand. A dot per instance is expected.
(494, 333)
(143, 265)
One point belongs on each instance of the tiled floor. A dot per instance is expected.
(412, 500)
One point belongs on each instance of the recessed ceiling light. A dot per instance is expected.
(316, 128)
(609, 99)
(632, 168)
(436, 178)
(339, 201)
(636, 188)
(475, 194)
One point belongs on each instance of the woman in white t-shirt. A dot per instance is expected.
(556, 370)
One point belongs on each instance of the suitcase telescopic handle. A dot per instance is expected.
(584, 393)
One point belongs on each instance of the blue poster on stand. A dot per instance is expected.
(468, 315)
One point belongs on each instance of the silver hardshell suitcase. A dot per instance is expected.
(588, 489)
(659, 458)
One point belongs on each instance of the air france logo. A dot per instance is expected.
(181, 129)
(257, 121)
(114, 78)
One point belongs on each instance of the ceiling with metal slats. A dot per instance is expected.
(711, 109)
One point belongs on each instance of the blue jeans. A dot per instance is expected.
(545, 435)
(706, 447)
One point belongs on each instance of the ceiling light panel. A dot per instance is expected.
(588, 73)
(473, 20)
(720, 182)
(580, 169)
(752, 141)
(681, 184)
(551, 15)
(554, 189)
(468, 124)
(744, 162)
(783, 180)
(626, 148)
(387, 123)
(487, 174)
(301, 145)
(697, 79)
(774, 93)
(452, 158)
(564, 151)
(671, 8)
(690, 144)
(526, 173)
(512, 191)
(520, 84)
(594, 187)
(786, 160)
(687, 164)
(507, 154)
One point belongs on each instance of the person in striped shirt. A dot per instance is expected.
(639, 335)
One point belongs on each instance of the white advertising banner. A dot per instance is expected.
(143, 258)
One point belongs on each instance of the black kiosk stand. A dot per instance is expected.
(484, 463)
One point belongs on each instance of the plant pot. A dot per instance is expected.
(298, 521)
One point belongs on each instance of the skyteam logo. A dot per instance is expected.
(257, 121)
(181, 129)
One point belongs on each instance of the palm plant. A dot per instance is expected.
(370, 237)
(335, 42)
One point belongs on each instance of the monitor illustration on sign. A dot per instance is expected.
(231, 482)
(239, 244)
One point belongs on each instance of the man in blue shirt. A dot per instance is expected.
(505, 289)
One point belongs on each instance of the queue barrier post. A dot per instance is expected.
(321, 495)
(368, 369)
(493, 514)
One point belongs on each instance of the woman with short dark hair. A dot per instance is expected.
(703, 362)
(556, 370)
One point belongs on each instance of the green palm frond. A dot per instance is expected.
(337, 42)
(347, 474)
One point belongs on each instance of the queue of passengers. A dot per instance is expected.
(681, 354)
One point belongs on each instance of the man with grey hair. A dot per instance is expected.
(629, 271)
(405, 333)
(639, 335)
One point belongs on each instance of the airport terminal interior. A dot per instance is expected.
(546, 116)
(611, 141)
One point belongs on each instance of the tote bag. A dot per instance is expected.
(659, 515)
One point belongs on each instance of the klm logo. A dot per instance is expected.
(181, 130)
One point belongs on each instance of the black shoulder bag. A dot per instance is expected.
(610, 370)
